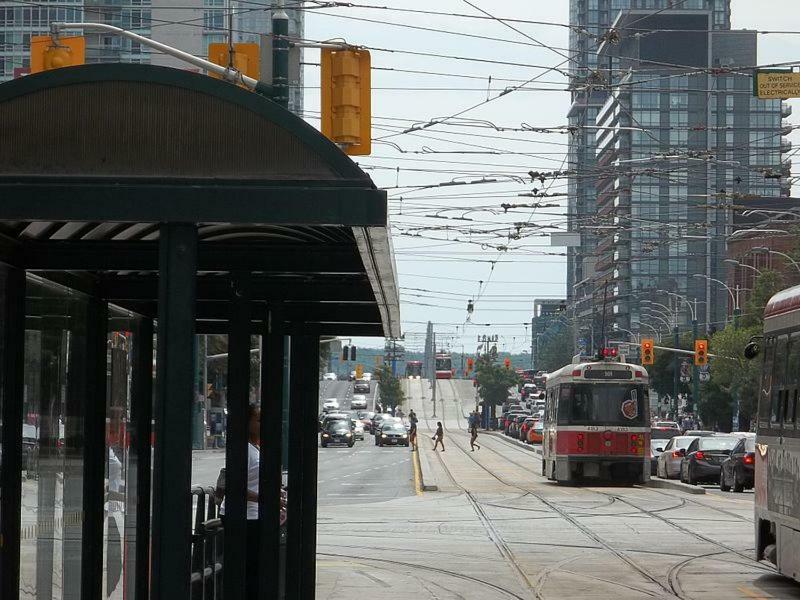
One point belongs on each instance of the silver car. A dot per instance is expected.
(669, 461)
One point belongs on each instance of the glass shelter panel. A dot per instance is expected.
(53, 452)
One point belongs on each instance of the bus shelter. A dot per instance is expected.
(141, 206)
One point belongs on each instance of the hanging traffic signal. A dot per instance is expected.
(246, 58)
(352, 352)
(700, 352)
(507, 362)
(345, 353)
(48, 53)
(346, 99)
(648, 355)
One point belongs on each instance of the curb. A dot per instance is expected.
(419, 473)
(657, 482)
(507, 440)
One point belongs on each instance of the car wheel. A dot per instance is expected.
(723, 486)
(690, 479)
(738, 487)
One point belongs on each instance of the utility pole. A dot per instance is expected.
(433, 381)
(695, 370)
(280, 54)
(533, 337)
(675, 364)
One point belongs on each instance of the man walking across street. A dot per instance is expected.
(473, 431)
(438, 436)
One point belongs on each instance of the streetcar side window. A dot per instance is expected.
(794, 359)
(779, 392)
(764, 393)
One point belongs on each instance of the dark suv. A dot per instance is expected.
(361, 387)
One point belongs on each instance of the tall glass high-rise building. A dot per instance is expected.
(639, 231)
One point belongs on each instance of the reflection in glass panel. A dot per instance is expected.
(52, 486)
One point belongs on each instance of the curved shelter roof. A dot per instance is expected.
(95, 157)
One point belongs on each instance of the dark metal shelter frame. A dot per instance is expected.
(201, 208)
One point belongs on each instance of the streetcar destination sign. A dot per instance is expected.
(776, 83)
(607, 374)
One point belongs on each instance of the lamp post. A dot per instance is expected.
(695, 372)
(737, 263)
(676, 343)
(737, 311)
(765, 250)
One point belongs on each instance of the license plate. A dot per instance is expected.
(393, 441)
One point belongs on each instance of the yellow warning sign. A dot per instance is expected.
(774, 84)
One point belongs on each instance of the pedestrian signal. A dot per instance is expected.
(700, 352)
(648, 356)
(346, 99)
(49, 53)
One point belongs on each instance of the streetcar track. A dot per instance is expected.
(453, 574)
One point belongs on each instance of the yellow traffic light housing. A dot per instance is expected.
(700, 352)
(49, 53)
(246, 58)
(648, 353)
(346, 99)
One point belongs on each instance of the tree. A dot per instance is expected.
(732, 372)
(662, 373)
(494, 382)
(766, 285)
(392, 394)
(556, 347)
(716, 408)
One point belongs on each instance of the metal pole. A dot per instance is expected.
(433, 381)
(533, 335)
(695, 371)
(280, 55)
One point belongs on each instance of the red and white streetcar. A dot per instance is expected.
(597, 421)
(777, 451)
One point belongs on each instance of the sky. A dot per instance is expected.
(453, 240)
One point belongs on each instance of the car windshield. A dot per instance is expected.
(663, 434)
(394, 428)
(538, 426)
(683, 442)
(338, 426)
(717, 443)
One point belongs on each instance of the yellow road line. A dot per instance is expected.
(417, 477)
(751, 593)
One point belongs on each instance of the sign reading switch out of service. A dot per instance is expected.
(776, 83)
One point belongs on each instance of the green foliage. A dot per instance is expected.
(731, 372)
(391, 391)
(556, 349)
(716, 408)
(662, 373)
(766, 285)
(494, 380)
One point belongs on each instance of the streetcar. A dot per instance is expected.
(414, 369)
(777, 451)
(444, 366)
(597, 421)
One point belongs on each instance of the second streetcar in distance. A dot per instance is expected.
(444, 366)
(596, 422)
(414, 369)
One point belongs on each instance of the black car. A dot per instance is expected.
(737, 471)
(361, 387)
(392, 434)
(377, 418)
(703, 458)
(337, 431)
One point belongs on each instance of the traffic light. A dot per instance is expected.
(507, 362)
(346, 99)
(345, 353)
(246, 58)
(352, 352)
(470, 364)
(648, 355)
(48, 53)
(700, 352)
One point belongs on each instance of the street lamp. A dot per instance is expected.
(765, 250)
(695, 371)
(660, 318)
(669, 310)
(734, 298)
(737, 263)
(656, 331)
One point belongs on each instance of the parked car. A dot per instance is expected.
(361, 387)
(656, 448)
(392, 434)
(358, 401)
(703, 458)
(738, 470)
(329, 377)
(509, 421)
(516, 423)
(536, 433)
(669, 461)
(367, 376)
(330, 404)
(667, 424)
(337, 431)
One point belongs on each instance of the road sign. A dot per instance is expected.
(776, 83)
(704, 374)
(685, 371)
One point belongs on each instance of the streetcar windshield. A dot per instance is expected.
(443, 364)
(606, 404)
